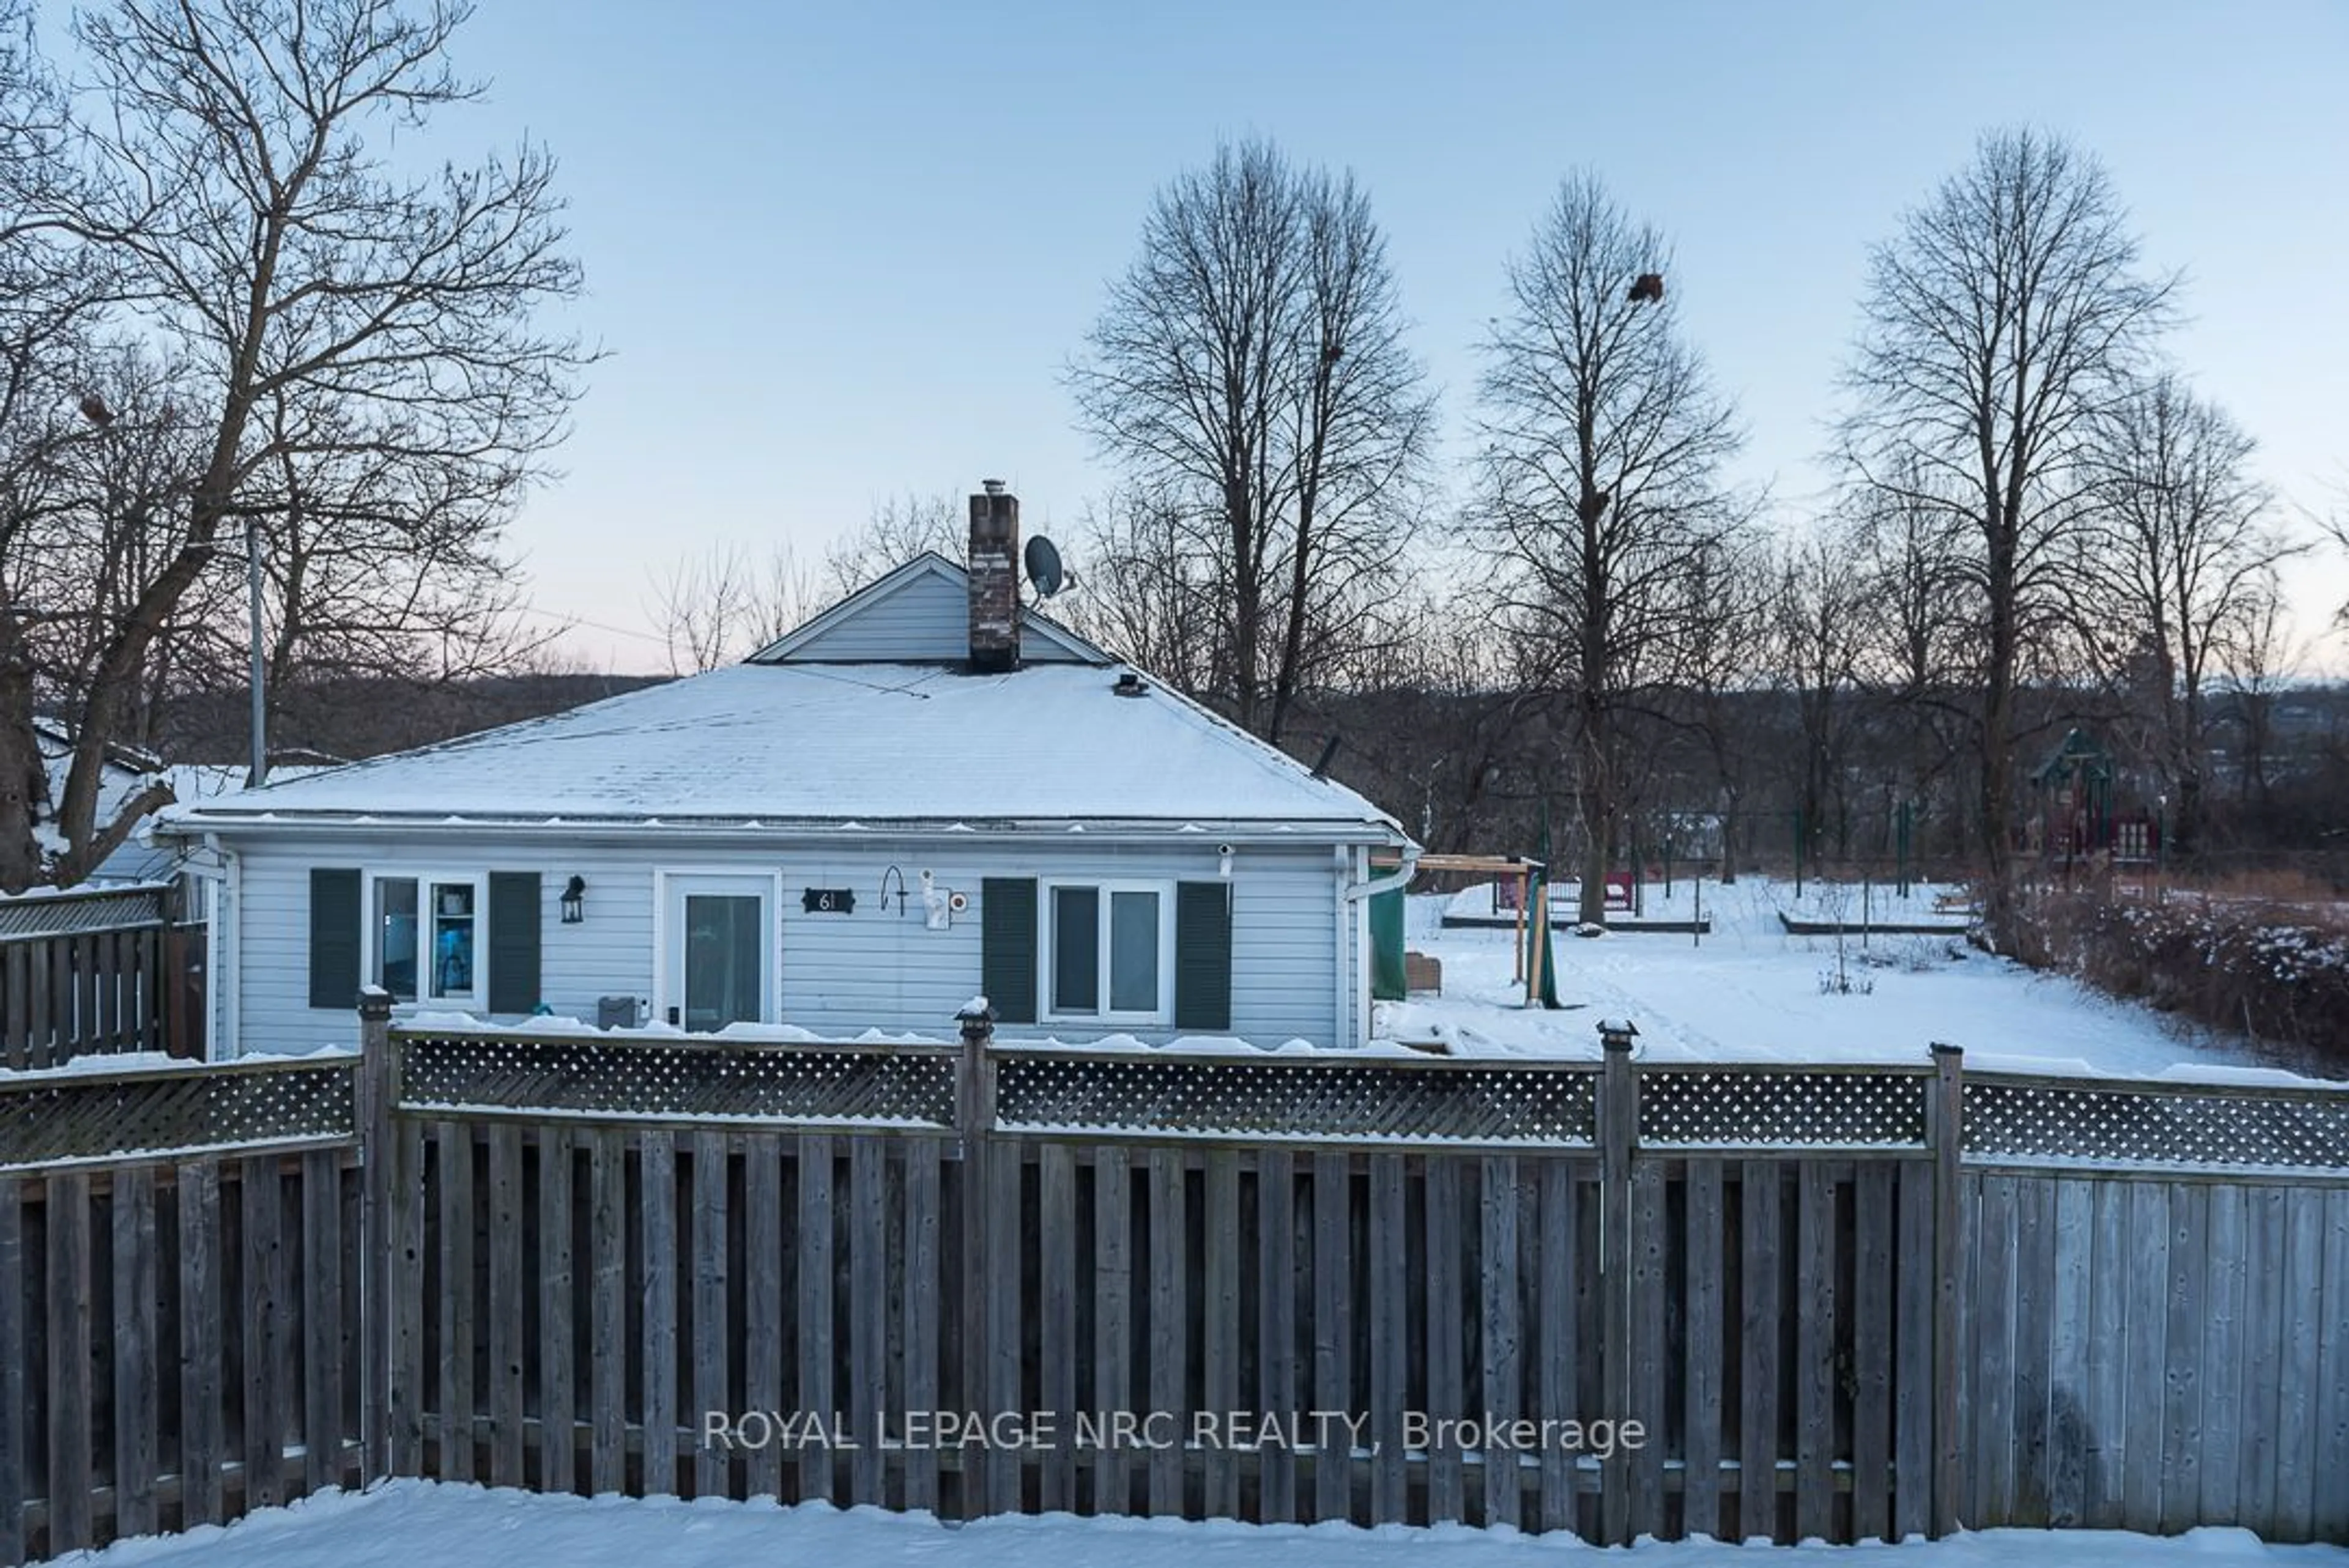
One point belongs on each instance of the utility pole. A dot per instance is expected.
(259, 775)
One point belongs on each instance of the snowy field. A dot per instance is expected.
(1749, 991)
(410, 1523)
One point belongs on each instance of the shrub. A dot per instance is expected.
(2275, 971)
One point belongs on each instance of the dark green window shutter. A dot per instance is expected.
(334, 943)
(1007, 947)
(1203, 955)
(514, 917)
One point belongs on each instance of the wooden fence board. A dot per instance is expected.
(1333, 1335)
(324, 1323)
(1502, 1335)
(2181, 1387)
(714, 1332)
(813, 1387)
(203, 1342)
(137, 1373)
(2147, 1324)
(2300, 1366)
(1219, 1353)
(2069, 1327)
(1872, 1350)
(268, 1347)
(1057, 1352)
(2034, 1279)
(1556, 1342)
(558, 1315)
(16, 1447)
(922, 1225)
(1649, 1328)
(1814, 1352)
(656, 1172)
(1388, 1324)
(1992, 1457)
(1757, 1333)
(764, 1272)
(2263, 1319)
(1446, 1400)
(2331, 1520)
(412, 1383)
(454, 1145)
(71, 1473)
(1007, 1325)
(1169, 1368)
(869, 1251)
(608, 1313)
(1113, 1303)
(1702, 1385)
(2221, 1347)
(2109, 1290)
(508, 1312)
(1277, 1388)
(1914, 1404)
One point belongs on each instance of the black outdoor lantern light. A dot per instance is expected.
(574, 900)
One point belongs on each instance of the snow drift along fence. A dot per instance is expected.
(1846, 1303)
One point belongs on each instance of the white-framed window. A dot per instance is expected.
(428, 935)
(1108, 952)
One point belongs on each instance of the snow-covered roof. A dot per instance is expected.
(869, 744)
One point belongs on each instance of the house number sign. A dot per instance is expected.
(828, 900)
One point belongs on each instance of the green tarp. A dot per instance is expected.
(1387, 980)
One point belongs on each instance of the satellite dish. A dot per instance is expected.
(1044, 561)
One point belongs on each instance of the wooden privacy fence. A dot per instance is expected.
(96, 972)
(178, 1259)
(1840, 1303)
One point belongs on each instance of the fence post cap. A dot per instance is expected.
(1615, 1034)
(375, 1005)
(977, 1018)
(1944, 1049)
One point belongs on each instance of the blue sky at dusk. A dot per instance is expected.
(842, 254)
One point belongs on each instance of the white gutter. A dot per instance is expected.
(1399, 877)
(880, 831)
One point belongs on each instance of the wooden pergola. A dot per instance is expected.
(1516, 866)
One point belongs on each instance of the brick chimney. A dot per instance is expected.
(994, 579)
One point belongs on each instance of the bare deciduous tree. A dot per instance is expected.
(1249, 372)
(1600, 488)
(2183, 545)
(724, 606)
(1997, 324)
(324, 317)
(895, 531)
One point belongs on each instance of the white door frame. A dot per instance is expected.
(770, 885)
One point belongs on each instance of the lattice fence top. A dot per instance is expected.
(1781, 1108)
(1278, 1098)
(2017, 1118)
(85, 1118)
(65, 913)
(633, 1079)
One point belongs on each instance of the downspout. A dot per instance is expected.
(1354, 979)
(225, 957)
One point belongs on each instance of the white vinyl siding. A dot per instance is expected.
(838, 974)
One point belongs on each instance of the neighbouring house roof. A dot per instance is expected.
(838, 744)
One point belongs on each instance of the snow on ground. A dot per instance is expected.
(1749, 991)
(409, 1522)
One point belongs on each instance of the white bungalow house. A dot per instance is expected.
(927, 791)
